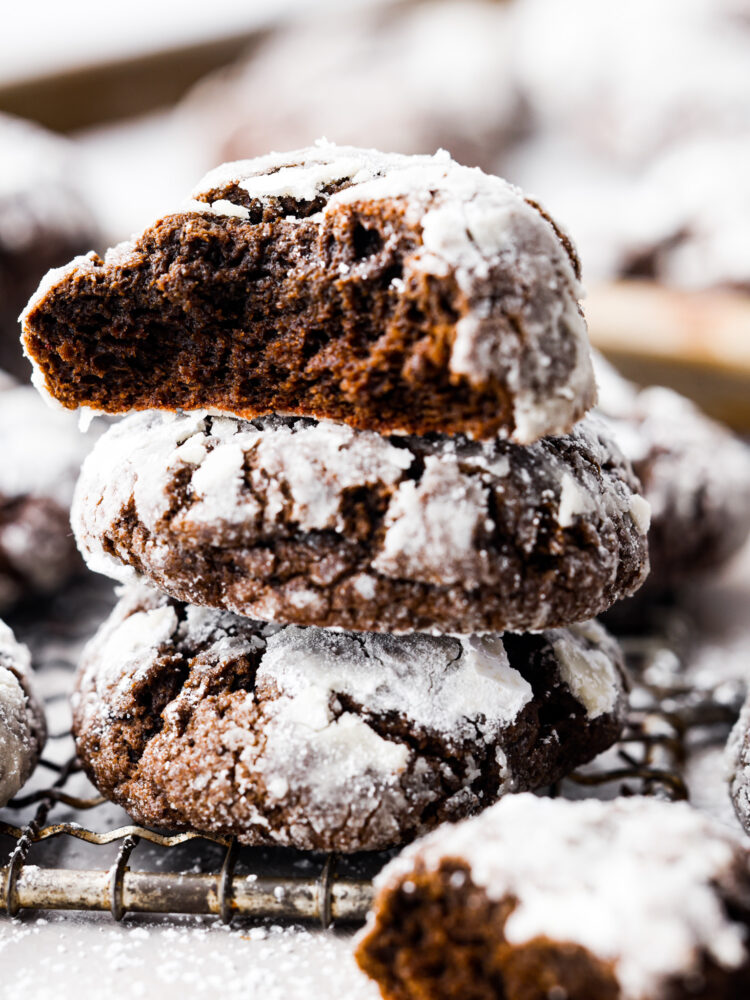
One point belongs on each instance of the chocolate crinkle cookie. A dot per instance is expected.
(289, 520)
(392, 293)
(22, 727)
(538, 898)
(738, 766)
(694, 472)
(41, 452)
(44, 220)
(323, 740)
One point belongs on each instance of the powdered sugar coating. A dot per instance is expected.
(331, 738)
(431, 525)
(438, 513)
(22, 729)
(637, 882)
(458, 687)
(695, 474)
(590, 669)
(480, 229)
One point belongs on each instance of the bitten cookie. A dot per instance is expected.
(44, 221)
(634, 899)
(22, 728)
(327, 740)
(307, 523)
(41, 451)
(392, 293)
(695, 475)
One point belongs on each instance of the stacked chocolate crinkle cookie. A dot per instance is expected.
(363, 519)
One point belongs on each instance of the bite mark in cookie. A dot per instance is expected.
(635, 899)
(388, 292)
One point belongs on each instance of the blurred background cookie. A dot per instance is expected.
(22, 727)
(695, 475)
(45, 219)
(406, 78)
(738, 766)
(41, 451)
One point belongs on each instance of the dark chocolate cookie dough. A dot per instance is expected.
(536, 898)
(293, 521)
(327, 740)
(388, 292)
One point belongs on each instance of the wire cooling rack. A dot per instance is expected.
(65, 848)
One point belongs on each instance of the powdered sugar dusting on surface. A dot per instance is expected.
(21, 716)
(431, 526)
(474, 226)
(176, 957)
(646, 902)
(590, 672)
(453, 686)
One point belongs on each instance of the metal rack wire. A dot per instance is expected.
(326, 897)
(649, 759)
